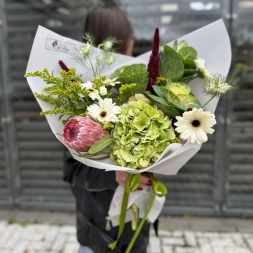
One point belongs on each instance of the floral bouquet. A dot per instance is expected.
(145, 114)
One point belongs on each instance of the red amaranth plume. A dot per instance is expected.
(153, 65)
(63, 66)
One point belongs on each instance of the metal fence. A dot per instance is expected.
(217, 181)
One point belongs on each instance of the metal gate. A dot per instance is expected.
(217, 181)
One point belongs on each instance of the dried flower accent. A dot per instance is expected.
(63, 66)
(153, 65)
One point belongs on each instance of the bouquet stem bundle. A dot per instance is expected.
(132, 183)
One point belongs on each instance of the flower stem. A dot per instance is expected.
(94, 73)
(209, 101)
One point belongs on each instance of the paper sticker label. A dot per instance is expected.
(60, 46)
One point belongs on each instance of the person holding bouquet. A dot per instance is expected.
(94, 188)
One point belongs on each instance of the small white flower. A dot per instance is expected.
(93, 93)
(108, 45)
(87, 85)
(111, 82)
(85, 49)
(109, 59)
(103, 90)
(201, 67)
(216, 86)
(194, 125)
(105, 111)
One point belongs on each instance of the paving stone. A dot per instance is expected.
(206, 248)
(222, 242)
(238, 239)
(164, 233)
(185, 250)
(71, 248)
(68, 230)
(173, 241)
(190, 239)
(154, 245)
(219, 250)
(167, 249)
(59, 242)
(250, 243)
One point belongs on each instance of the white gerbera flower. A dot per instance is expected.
(105, 111)
(201, 67)
(111, 82)
(194, 125)
(103, 90)
(93, 93)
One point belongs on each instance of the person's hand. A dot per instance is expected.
(121, 177)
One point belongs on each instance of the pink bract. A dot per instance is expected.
(81, 133)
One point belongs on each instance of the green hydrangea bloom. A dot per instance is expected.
(141, 135)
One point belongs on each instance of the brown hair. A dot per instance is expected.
(104, 22)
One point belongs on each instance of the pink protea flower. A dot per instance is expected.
(81, 133)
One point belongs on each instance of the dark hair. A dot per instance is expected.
(104, 22)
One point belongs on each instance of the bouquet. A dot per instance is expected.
(135, 115)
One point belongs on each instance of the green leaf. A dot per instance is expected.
(180, 88)
(188, 52)
(173, 69)
(157, 90)
(189, 64)
(189, 72)
(182, 44)
(169, 95)
(135, 73)
(186, 99)
(127, 91)
(168, 110)
(170, 54)
(175, 44)
(81, 106)
(159, 100)
(100, 145)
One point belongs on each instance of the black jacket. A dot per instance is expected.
(93, 189)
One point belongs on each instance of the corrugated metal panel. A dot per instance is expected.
(240, 191)
(4, 187)
(40, 158)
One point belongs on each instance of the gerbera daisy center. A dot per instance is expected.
(195, 123)
(103, 114)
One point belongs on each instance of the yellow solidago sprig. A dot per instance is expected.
(65, 92)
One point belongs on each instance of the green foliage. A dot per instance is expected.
(128, 90)
(135, 73)
(174, 98)
(65, 92)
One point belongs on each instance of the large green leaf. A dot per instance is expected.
(135, 73)
(154, 98)
(157, 90)
(170, 54)
(189, 63)
(186, 99)
(188, 52)
(168, 110)
(180, 88)
(169, 95)
(173, 69)
(182, 44)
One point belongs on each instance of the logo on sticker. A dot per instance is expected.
(60, 46)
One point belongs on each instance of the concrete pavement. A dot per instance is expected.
(54, 232)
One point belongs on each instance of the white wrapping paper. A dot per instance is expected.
(212, 44)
